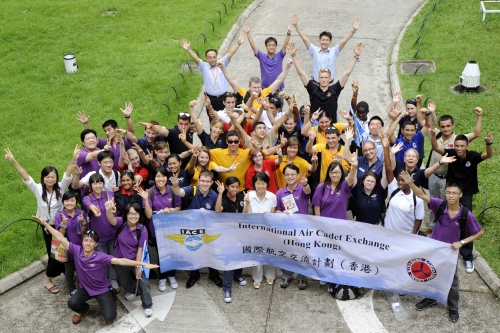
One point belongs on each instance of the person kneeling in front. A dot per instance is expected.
(91, 267)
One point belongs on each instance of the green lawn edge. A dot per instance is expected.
(133, 55)
(454, 33)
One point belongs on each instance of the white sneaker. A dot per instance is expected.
(129, 296)
(162, 285)
(227, 297)
(173, 282)
(148, 312)
(115, 286)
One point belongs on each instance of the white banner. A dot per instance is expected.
(339, 251)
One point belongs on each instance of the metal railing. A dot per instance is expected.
(418, 54)
(178, 85)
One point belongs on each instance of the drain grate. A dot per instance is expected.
(417, 66)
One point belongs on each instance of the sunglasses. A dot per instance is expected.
(184, 114)
(325, 70)
(233, 141)
(90, 232)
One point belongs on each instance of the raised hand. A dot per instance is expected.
(419, 98)
(489, 137)
(358, 49)
(247, 198)
(303, 179)
(283, 140)
(220, 187)
(129, 107)
(147, 125)
(396, 148)
(295, 20)
(137, 147)
(289, 63)
(109, 204)
(345, 114)
(478, 111)
(192, 104)
(142, 193)
(292, 48)
(9, 156)
(220, 64)
(447, 159)
(149, 155)
(82, 117)
(355, 24)
(96, 210)
(185, 44)
(431, 106)
(355, 87)
(246, 28)
(64, 221)
(315, 115)
(174, 180)
(312, 134)
(314, 157)
(353, 159)
(394, 111)
(107, 147)
(241, 38)
(397, 97)
(349, 134)
(77, 170)
(406, 177)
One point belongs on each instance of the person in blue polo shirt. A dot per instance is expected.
(203, 198)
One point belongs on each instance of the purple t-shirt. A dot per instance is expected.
(126, 243)
(91, 271)
(87, 167)
(115, 150)
(448, 230)
(162, 201)
(301, 199)
(100, 224)
(270, 68)
(71, 229)
(332, 205)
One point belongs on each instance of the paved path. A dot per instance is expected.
(30, 307)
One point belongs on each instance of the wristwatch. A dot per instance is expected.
(462, 242)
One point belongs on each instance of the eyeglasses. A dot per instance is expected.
(335, 172)
(133, 214)
(234, 142)
(452, 194)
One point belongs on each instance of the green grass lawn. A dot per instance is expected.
(131, 56)
(453, 35)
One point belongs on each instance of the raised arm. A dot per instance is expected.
(387, 160)
(74, 158)
(194, 115)
(129, 107)
(488, 139)
(420, 115)
(353, 160)
(157, 128)
(295, 23)
(279, 80)
(308, 123)
(109, 212)
(350, 67)
(289, 29)
(434, 144)
(229, 77)
(235, 47)
(418, 192)
(477, 128)
(310, 144)
(9, 156)
(187, 46)
(220, 191)
(355, 27)
(57, 235)
(247, 29)
(84, 119)
(298, 66)
(392, 126)
(175, 186)
(444, 160)
(348, 138)
(354, 98)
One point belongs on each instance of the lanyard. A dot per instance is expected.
(217, 72)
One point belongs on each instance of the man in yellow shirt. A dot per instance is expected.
(327, 153)
(255, 85)
(232, 155)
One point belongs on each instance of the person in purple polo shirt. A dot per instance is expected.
(94, 203)
(87, 160)
(203, 198)
(447, 229)
(159, 200)
(271, 63)
(330, 198)
(300, 193)
(91, 269)
(72, 223)
(129, 244)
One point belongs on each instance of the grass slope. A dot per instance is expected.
(131, 56)
(453, 35)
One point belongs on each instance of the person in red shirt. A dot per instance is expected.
(132, 161)
(268, 166)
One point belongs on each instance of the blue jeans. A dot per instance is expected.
(288, 275)
(107, 248)
(228, 278)
(126, 279)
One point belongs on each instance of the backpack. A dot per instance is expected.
(461, 220)
(344, 292)
(120, 229)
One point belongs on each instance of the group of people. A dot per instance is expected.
(254, 156)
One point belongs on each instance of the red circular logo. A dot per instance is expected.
(421, 270)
